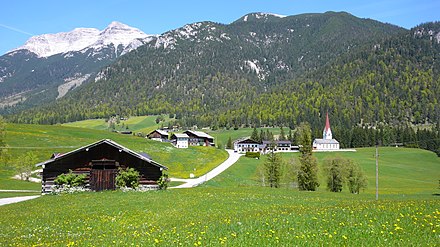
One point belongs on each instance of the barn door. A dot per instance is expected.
(103, 176)
(102, 179)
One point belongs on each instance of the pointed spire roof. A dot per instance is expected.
(327, 123)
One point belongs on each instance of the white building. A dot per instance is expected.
(246, 145)
(327, 143)
(180, 140)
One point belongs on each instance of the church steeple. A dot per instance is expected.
(327, 133)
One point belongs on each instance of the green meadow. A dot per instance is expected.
(401, 170)
(144, 124)
(45, 140)
(233, 209)
(228, 216)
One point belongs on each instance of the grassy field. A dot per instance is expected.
(231, 210)
(45, 140)
(144, 124)
(223, 135)
(221, 216)
(401, 170)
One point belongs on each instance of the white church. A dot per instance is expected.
(327, 143)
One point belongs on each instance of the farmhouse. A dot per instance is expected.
(278, 146)
(198, 138)
(246, 145)
(158, 135)
(249, 145)
(100, 162)
(180, 140)
(327, 143)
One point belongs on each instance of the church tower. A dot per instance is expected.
(327, 133)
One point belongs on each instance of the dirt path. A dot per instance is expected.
(189, 183)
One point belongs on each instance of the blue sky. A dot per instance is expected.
(20, 19)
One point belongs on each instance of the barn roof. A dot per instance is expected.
(199, 134)
(161, 132)
(105, 141)
(180, 135)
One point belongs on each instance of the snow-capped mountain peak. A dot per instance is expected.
(78, 39)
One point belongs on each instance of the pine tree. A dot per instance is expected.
(308, 172)
(229, 144)
(282, 136)
(254, 135)
(262, 136)
(273, 169)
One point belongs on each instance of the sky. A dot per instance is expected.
(21, 19)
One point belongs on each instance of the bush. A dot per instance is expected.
(253, 154)
(70, 179)
(163, 181)
(127, 178)
(356, 179)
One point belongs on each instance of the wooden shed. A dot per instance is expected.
(100, 162)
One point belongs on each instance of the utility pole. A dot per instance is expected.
(377, 172)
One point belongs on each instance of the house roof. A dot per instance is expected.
(105, 141)
(161, 132)
(277, 142)
(246, 140)
(164, 133)
(180, 135)
(199, 134)
(325, 141)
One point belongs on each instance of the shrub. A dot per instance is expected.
(334, 168)
(356, 179)
(127, 178)
(70, 179)
(163, 181)
(253, 154)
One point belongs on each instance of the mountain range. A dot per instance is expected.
(47, 66)
(262, 69)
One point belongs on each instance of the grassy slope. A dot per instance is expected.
(45, 140)
(144, 124)
(401, 170)
(234, 210)
(223, 135)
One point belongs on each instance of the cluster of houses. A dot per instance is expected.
(100, 161)
(327, 143)
(183, 140)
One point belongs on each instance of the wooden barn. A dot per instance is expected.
(158, 135)
(198, 138)
(100, 162)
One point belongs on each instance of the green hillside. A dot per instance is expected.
(46, 140)
(144, 124)
(401, 170)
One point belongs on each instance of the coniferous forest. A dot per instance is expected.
(379, 83)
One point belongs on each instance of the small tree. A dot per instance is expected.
(308, 172)
(254, 135)
(335, 171)
(273, 169)
(282, 136)
(127, 178)
(356, 179)
(229, 144)
(24, 165)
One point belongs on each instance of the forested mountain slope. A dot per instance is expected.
(261, 69)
